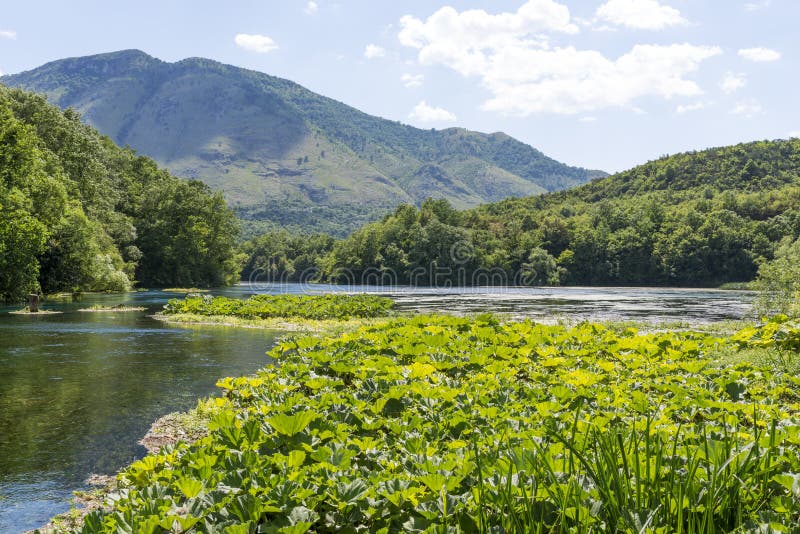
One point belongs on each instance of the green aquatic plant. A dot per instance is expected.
(446, 424)
(320, 307)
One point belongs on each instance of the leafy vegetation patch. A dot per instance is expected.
(444, 424)
(317, 307)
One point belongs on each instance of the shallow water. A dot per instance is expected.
(78, 390)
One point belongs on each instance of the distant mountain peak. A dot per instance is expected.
(277, 149)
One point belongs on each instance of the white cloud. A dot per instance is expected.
(697, 106)
(8, 34)
(412, 80)
(755, 6)
(422, 112)
(588, 119)
(567, 80)
(747, 108)
(255, 43)
(795, 134)
(640, 14)
(460, 39)
(732, 82)
(525, 75)
(760, 54)
(373, 51)
(311, 8)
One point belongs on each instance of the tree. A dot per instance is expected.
(78, 212)
(779, 282)
(542, 269)
(22, 239)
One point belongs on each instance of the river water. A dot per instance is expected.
(78, 390)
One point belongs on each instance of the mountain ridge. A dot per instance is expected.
(282, 153)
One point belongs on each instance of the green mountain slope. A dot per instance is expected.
(78, 213)
(282, 153)
(694, 219)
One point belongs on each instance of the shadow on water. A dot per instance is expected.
(78, 390)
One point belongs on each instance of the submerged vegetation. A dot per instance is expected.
(78, 213)
(316, 307)
(112, 309)
(436, 424)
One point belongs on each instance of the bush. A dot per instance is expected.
(779, 282)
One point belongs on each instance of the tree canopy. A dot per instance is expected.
(79, 213)
(695, 219)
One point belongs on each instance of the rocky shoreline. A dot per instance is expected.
(171, 429)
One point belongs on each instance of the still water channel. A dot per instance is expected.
(78, 390)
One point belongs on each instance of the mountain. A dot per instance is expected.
(282, 153)
(698, 219)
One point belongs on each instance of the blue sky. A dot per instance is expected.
(603, 84)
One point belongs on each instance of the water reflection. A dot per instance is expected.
(78, 390)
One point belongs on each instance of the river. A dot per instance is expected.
(78, 390)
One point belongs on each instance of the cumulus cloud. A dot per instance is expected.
(732, 82)
(755, 6)
(311, 8)
(760, 54)
(688, 108)
(255, 43)
(461, 39)
(8, 34)
(373, 51)
(567, 80)
(412, 80)
(747, 108)
(525, 75)
(423, 112)
(640, 14)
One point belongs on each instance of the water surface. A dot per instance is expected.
(78, 390)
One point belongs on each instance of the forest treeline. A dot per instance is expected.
(78, 213)
(694, 219)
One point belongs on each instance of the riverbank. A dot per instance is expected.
(167, 431)
(430, 383)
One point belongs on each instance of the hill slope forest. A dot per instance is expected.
(697, 219)
(78, 213)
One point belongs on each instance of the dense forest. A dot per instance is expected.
(78, 213)
(695, 219)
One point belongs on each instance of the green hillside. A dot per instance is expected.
(694, 219)
(281, 153)
(78, 213)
